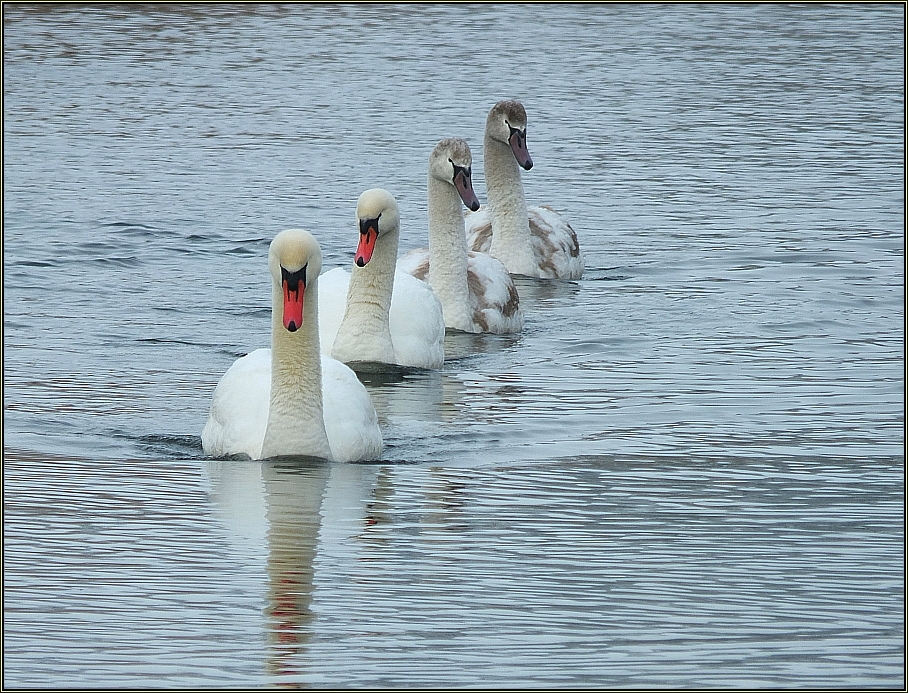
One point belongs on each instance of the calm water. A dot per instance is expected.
(688, 470)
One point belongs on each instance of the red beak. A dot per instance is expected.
(368, 234)
(294, 284)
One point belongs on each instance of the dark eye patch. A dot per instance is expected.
(292, 279)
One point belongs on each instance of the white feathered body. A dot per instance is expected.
(239, 413)
(372, 313)
(415, 321)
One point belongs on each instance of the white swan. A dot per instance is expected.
(374, 314)
(290, 399)
(476, 292)
(536, 242)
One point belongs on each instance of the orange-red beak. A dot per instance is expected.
(368, 234)
(294, 285)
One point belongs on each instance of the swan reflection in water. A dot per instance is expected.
(294, 490)
(411, 403)
(283, 514)
(273, 511)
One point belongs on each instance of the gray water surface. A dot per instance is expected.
(687, 470)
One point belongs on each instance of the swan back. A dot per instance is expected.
(238, 416)
(350, 419)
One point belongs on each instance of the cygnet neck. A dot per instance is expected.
(448, 254)
(511, 241)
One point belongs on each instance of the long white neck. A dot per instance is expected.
(448, 255)
(510, 224)
(364, 333)
(296, 423)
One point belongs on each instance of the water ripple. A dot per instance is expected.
(686, 471)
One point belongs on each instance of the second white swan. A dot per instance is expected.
(374, 314)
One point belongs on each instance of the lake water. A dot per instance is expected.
(687, 470)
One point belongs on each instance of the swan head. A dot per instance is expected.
(507, 123)
(295, 260)
(452, 162)
(377, 215)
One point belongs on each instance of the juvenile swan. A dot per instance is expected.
(375, 314)
(476, 292)
(290, 399)
(536, 242)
